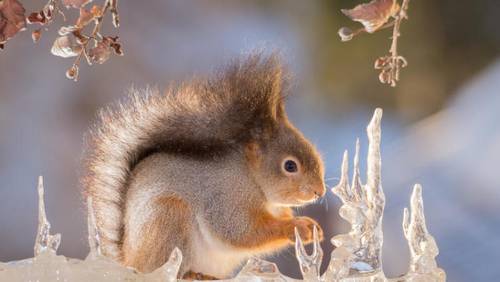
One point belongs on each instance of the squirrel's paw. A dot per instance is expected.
(305, 226)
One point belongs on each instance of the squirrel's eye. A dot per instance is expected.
(290, 166)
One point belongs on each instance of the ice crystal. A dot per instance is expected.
(359, 252)
(357, 257)
(44, 241)
(423, 247)
(257, 270)
(309, 264)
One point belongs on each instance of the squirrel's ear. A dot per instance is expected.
(253, 154)
(277, 99)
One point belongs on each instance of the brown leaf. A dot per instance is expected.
(65, 48)
(43, 17)
(37, 17)
(100, 53)
(373, 15)
(113, 43)
(75, 3)
(12, 19)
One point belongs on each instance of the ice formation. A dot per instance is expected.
(357, 257)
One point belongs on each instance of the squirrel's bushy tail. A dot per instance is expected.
(202, 116)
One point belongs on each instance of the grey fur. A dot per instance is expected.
(212, 147)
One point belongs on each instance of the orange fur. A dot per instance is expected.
(156, 246)
(201, 168)
(267, 232)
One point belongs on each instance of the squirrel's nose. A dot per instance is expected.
(319, 190)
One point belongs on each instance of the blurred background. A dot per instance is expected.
(441, 124)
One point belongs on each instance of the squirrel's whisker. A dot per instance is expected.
(332, 178)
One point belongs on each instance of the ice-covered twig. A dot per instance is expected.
(44, 241)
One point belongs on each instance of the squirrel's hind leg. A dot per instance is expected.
(169, 227)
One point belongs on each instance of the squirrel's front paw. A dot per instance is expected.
(305, 226)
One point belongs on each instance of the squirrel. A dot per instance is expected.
(211, 166)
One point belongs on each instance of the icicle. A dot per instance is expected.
(423, 248)
(358, 253)
(44, 241)
(374, 163)
(342, 189)
(371, 255)
(94, 241)
(309, 264)
(260, 270)
(357, 188)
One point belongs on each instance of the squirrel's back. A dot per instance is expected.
(201, 117)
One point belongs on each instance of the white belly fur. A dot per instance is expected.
(213, 257)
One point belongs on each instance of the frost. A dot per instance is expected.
(357, 257)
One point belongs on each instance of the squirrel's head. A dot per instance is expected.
(282, 162)
(287, 167)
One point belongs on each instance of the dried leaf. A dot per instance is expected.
(65, 48)
(36, 35)
(113, 43)
(100, 53)
(12, 19)
(75, 3)
(373, 15)
(37, 17)
(43, 17)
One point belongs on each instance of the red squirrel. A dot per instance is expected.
(212, 166)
